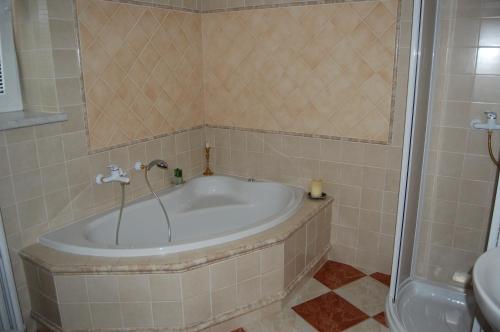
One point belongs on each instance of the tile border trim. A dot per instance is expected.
(291, 133)
(228, 8)
(290, 3)
(158, 5)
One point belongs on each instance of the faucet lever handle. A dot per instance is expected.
(116, 170)
(491, 115)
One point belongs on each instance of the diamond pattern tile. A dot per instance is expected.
(142, 70)
(381, 318)
(383, 278)
(330, 312)
(334, 274)
(369, 325)
(309, 291)
(367, 294)
(354, 307)
(324, 69)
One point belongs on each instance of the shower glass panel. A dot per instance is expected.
(445, 207)
(459, 177)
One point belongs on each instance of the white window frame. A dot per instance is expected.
(11, 99)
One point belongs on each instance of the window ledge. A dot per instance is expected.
(19, 119)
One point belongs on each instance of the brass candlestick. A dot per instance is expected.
(208, 171)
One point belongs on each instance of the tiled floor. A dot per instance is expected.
(339, 298)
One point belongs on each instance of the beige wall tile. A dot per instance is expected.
(167, 314)
(195, 282)
(222, 274)
(32, 213)
(272, 258)
(75, 145)
(4, 162)
(133, 288)
(330, 150)
(106, 315)
(248, 291)
(272, 282)
(23, 156)
(103, 288)
(137, 314)
(71, 289)
(248, 266)
(47, 284)
(165, 287)
(197, 309)
(224, 300)
(6, 191)
(50, 150)
(75, 316)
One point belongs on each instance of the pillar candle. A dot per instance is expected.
(316, 188)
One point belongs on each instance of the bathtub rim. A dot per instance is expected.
(59, 262)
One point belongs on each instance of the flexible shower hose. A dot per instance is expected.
(161, 204)
(490, 149)
(121, 213)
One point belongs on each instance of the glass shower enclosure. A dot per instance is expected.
(446, 214)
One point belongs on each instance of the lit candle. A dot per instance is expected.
(207, 145)
(316, 188)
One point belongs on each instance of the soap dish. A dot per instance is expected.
(323, 196)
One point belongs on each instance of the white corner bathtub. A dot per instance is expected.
(205, 211)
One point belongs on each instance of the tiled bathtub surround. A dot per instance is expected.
(153, 294)
(323, 69)
(142, 69)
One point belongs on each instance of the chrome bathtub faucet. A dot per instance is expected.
(116, 175)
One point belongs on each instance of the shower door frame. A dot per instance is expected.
(421, 64)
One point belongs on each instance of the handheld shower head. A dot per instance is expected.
(157, 162)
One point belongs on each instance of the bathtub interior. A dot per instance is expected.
(204, 209)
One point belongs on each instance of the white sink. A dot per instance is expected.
(486, 282)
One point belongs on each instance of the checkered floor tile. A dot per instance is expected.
(339, 298)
